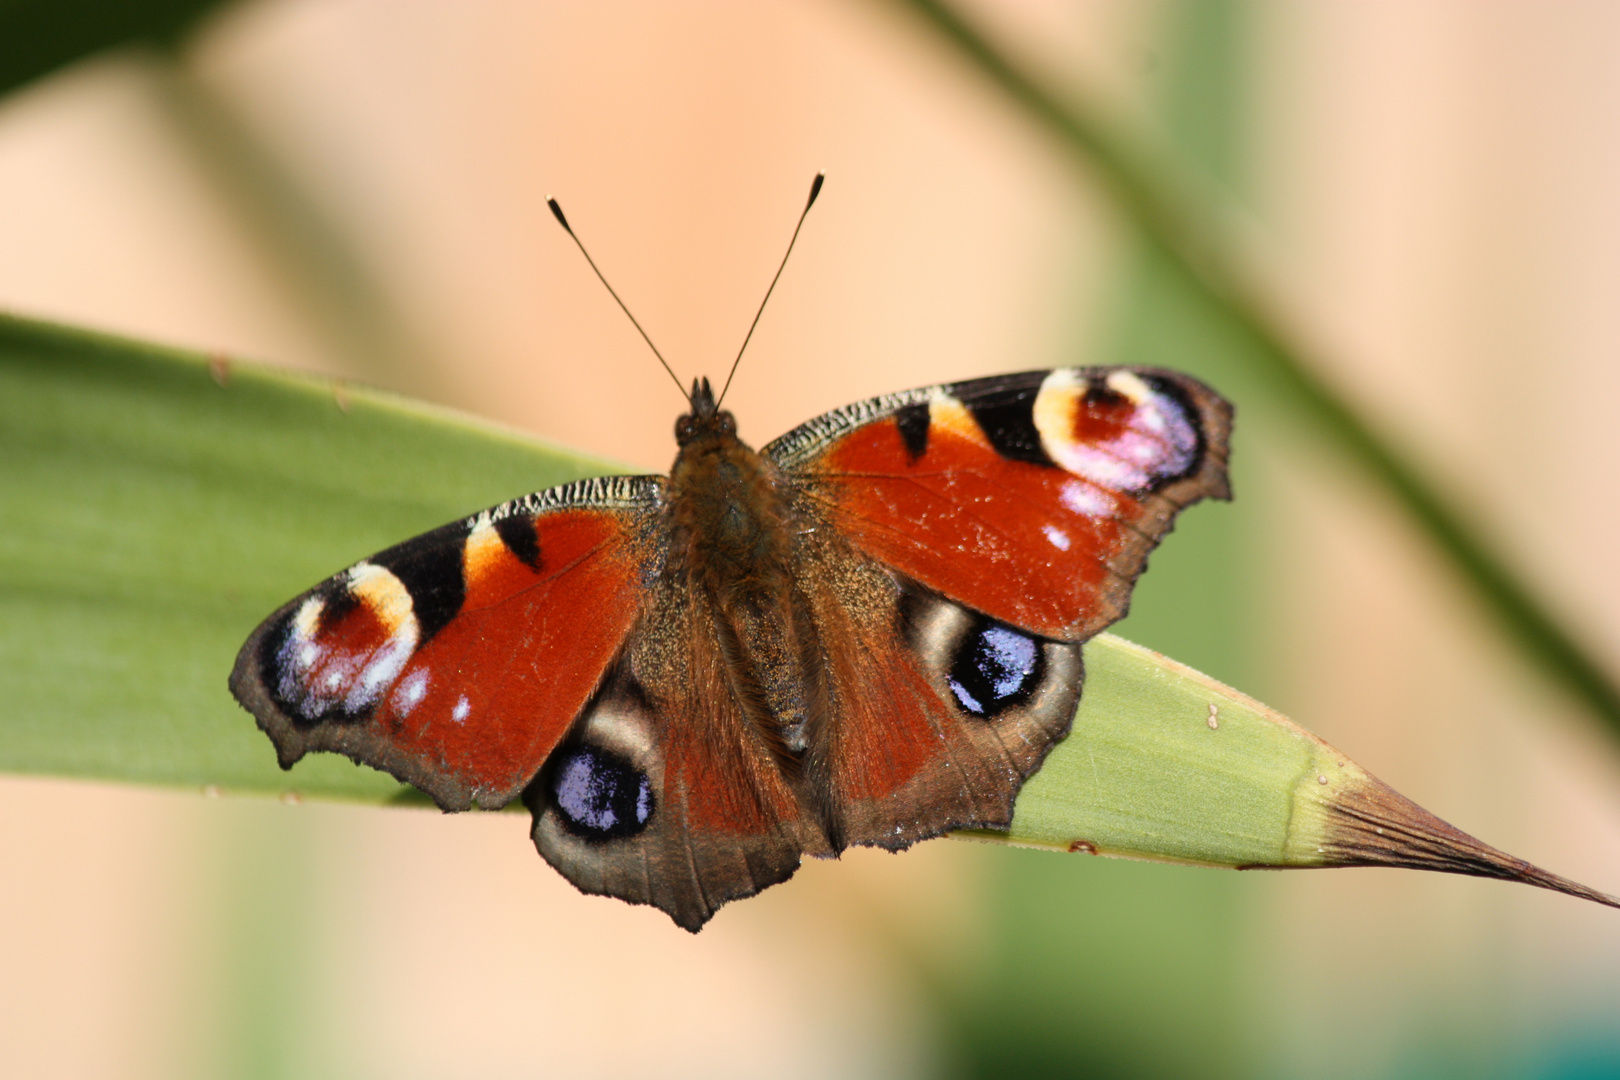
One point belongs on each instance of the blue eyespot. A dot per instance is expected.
(996, 667)
(601, 796)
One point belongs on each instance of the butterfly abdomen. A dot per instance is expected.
(731, 538)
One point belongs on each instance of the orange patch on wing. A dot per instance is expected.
(949, 417)
(383, 594)
(481, 555)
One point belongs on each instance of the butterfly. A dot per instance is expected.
(866, 633)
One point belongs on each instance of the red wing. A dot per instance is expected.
(456, 661)
(664, 792)
(1032, 498)
(936, 714)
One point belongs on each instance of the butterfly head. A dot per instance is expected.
(706, 417)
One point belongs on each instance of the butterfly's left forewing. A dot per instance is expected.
(456, 661)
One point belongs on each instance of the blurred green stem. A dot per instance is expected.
(1169, 223)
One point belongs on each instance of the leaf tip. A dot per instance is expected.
(1365, 822)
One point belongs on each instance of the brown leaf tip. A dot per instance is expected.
(1371, 824)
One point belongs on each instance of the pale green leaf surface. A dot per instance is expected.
(1145, 772)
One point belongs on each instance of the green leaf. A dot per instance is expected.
(1165, 763)
(154, 506)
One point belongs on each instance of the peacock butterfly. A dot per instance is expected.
(868, 632)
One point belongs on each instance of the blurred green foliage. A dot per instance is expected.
(39, 36)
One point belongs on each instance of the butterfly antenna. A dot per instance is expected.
(556, 212)
(815, 189)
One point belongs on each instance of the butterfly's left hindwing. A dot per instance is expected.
(457, 660)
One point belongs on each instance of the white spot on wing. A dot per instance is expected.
(1101, 467)
(382, 668)
(314, 699)
(369, 675)
(317, 676)
(1057, 536)
(411, 691)
(308, 618)
(463, 707)
(1086, 499)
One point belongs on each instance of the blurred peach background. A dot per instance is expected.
(1431, 190)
